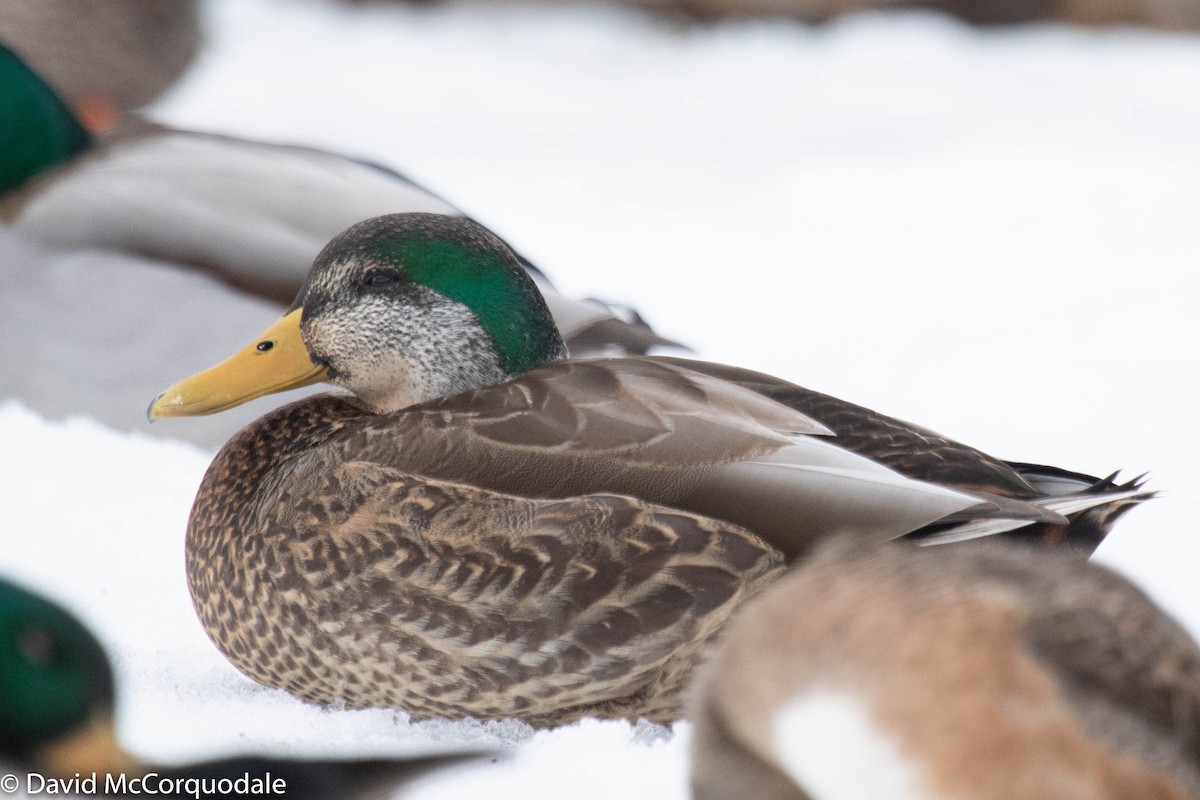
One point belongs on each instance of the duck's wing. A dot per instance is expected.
(495, 605)
(909, 449)
(254, 214)
(671, 435)
(1090, 505)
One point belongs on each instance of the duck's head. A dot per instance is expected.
(56, 689)
(37, 129)
(398, 309)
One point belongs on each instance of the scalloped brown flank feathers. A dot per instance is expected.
(997, 676)
(565, 543)
(387, 589)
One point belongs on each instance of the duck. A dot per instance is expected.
(482, 527)
(104, 57)
(250, 213)
(1157, 14)
(57, 720)
(967, 673)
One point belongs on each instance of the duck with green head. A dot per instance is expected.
(484, 528)
(104, 57)
(37, 130)
(251, 213)
(56, 689)
(56, 716)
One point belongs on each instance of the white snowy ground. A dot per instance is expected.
(992, 234)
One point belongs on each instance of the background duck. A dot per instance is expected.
(484, 529)
(248, 212)
(57, 715)
(93, 220)
(977, 674)
(104, 57)
(55, 294)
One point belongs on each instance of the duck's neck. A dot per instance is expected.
(248, 460)
(37, 130)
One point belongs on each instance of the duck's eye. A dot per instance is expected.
(377, 279)
(38, 646)
(265, 346)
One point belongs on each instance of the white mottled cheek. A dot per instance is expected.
(390, 383)
(828, 743)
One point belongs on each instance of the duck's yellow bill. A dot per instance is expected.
(92, 747)
(274, 362)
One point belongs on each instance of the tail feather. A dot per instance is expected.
(1070, 504)
(1078, 511)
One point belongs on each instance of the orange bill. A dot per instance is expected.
(92, 747)
(274, 362)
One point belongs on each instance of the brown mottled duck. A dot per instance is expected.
(967, 673)
(483, 528)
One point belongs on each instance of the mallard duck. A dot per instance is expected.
(485, 529)
(253, 214)
(104, 57)
(1167, 14)
(970, 673)
(56, 718)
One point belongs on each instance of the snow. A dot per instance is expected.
(989, 233)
